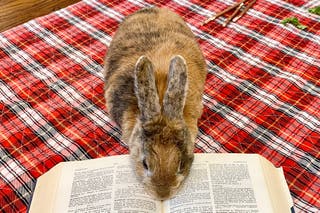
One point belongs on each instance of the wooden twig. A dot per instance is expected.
(244, 11)
(239, 6)
(223, 12)
(233, 15)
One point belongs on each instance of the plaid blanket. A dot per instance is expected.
(262, 93)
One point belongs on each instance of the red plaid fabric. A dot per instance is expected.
(262, 93)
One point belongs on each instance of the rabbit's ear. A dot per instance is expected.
(174, 98)
(145, 89)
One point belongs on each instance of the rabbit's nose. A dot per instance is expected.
(163, 194)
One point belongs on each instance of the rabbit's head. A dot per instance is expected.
(161, 145)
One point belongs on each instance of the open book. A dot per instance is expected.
(217, 183)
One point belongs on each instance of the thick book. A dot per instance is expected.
(217, 183)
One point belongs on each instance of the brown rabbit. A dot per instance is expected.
(154, 80)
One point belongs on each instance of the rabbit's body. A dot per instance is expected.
(158, 114)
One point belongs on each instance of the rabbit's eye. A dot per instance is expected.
(144, 163)
(180, 169)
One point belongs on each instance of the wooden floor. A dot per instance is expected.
(15, 12)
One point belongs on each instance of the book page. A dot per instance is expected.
(224, 183)
(217, 183)
(46, 188)
(195, 195)
(277, 186)
(102, 185)
(129, 195)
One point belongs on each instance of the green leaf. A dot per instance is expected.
(315, 10)
(294, 21)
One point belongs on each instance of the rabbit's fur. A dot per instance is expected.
(154, 80)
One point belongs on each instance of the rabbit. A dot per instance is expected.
(154, 75)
